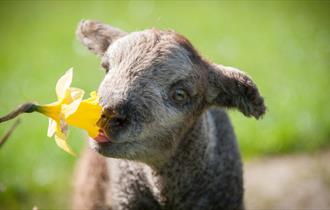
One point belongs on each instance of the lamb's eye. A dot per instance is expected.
(179, 96)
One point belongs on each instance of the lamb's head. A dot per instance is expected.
(156, 86)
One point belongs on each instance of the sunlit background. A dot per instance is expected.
(283, 45)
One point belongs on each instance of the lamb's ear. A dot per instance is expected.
(97, 36)
(230, 87)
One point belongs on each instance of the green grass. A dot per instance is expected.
(283, 45)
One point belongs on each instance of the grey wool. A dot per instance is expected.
(171, 144)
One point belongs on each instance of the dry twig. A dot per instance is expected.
(24, 108)
(9, 132)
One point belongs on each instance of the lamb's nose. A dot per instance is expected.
(108, 112)
(115, 119)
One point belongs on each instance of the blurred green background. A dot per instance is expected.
(283, 45)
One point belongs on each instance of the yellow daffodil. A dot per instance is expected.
(70, 109)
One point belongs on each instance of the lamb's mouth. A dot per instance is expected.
(108, 147)
(102, 137)
(101, 143)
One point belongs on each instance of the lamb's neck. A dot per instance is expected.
(188, 166)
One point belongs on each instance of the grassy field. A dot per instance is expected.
(284, 46)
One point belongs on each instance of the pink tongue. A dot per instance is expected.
(101, 137)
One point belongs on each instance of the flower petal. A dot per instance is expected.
(51, 127)
(76, 93)
(64, 83)
(76, 96)
(62, 143)
(61, 137)
(71, 108)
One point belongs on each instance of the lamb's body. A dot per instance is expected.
(173, 149)
(204, 173)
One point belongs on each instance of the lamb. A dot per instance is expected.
(168, 142)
